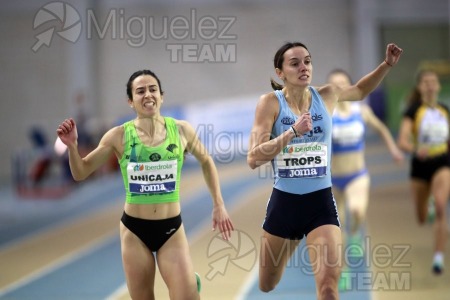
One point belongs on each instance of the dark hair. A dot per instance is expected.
(279, 58)
(136, 75)
(415, 97)
(340, 71)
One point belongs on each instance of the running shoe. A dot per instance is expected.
(431, 215)
(438, 268)
(199, 282)
(345, 281)
(355, 246)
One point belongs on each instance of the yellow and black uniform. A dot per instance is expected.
(430, 130)
(151, 175)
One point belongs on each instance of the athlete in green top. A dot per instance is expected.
(150, 151)
(152, 174)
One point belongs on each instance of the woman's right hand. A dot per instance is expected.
(303, 124)
(422, 152)
(67, 132)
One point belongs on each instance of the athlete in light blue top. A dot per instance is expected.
(348, 130)
(306, 156)
(292, 129)
(351, 181)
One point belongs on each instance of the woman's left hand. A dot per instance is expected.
(393, 53)
(222, 221)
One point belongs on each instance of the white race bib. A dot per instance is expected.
(152, 177)
(434, 129)
(348, 133)
(304, 160)
(434, 133)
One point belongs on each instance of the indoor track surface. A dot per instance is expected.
(69, 248)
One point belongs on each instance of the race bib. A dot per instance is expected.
(433, 133)
(348, 134)
(152, 177)
(303, 161)
(433, 128)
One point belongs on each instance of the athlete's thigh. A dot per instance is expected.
(325, 252)
(420, 193)
(275, 252)
(440, 186)
(138, 263)
(339, 197)
(357, 193)
(175, 265)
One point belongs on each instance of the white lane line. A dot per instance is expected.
(248, 283)
(118, 294)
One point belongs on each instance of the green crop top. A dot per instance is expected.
(152, 174)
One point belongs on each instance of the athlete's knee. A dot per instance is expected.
(421, 220)
(268, 282)
(421, 217)
(440, 208)
(266, 287)
(328, 289)
(358, 213)
(328, 293)
(141, 292)
(183, 294)
(327, 286)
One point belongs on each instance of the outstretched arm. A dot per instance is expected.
(80, 167)
(369, 82)
(404, 140)
(371, 119)
(220, 215)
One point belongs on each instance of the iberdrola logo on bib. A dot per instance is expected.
(300, 149)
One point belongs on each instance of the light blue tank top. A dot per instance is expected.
(303, 166)
(348, 132)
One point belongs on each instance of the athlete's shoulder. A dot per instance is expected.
(185, 128)
(268, 97)
(444, 106)
(116, 131)
(268, 107)
(326, 90)
(114, 136)
(412, 109)
(362, 107)
(181, 123)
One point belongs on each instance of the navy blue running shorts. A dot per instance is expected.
(293, 216)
